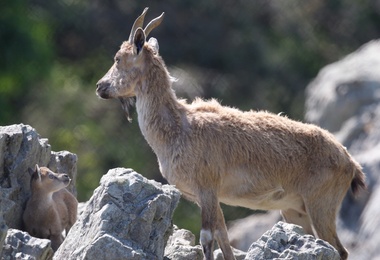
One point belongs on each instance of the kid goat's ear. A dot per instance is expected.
(139, 40)
(36, 173)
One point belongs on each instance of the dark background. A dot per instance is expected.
(248, 54)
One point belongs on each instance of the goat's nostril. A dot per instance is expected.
(100, 83)
(102, 90)
(101, 86)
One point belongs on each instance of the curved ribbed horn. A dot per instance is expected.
(153, 24)
(138, 23)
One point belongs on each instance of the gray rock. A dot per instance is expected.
(181, 246)
(243, 232)
(127, 217)
(288, 241)
(3, 232)
(239, 255)
(344, 88)
(20, 245)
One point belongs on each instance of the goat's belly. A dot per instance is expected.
(251, 188)
(274, 199)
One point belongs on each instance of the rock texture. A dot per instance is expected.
(20, 245)
(345, 89)
(181, 246)
(128, 217)
(3, 232)
(239, 255)
(20, 148)
(243, 232)
(288, 241)
(283, 241)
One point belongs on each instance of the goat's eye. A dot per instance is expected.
(51, 176)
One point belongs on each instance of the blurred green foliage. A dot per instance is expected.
(25, 55)
(248, 54)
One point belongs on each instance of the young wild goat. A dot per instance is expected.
(51, 207)
(219, 154)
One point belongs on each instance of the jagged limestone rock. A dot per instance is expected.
(20, 245)
(243, 232)
(239, 255)
(181, 246)
(288, 241)
(3, 232)
(128, 217)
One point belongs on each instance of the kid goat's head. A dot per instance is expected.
(43, 179)
(126, 72)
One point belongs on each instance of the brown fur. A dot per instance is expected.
(218, 154)
(51, 209)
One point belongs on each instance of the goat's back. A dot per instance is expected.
(229, 140)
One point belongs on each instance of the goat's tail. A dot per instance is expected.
(358, 182)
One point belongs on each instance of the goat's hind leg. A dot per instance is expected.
(323, 220)
(222, 236)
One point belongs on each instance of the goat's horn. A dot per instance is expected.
(138, 23)
(153, 24)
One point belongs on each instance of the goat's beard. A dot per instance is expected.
(127, 103)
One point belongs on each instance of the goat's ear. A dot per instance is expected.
(139, 40)
(36, 173)
(154, 44)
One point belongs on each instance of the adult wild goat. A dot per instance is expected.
(218, 154)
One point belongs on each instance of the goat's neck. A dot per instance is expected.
(42, 196)
(160, 115)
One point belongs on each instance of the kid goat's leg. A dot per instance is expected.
(56, 240)
(213, 225)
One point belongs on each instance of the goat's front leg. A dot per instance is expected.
(56, 241)
(208, 204)
(213, 225)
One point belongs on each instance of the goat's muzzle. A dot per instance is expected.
(101, 90)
